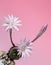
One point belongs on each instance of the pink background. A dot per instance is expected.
(34, 14)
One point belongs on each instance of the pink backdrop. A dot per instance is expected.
(34, 14)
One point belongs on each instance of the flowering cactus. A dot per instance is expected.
(21, 50)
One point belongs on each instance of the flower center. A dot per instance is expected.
(23, 48)
(11, 24)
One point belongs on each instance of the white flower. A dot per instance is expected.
(12, 22)
(25, 48)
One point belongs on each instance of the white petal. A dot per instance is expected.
(9, 16)
(15, 19)
(23, 54)
(18, 21)
(24, 39)
(19, 53)
(7, 20)
(16, 28)
(5, 25)
(27, 53)
(7, 28)
(18, 24)
(30, 44)
(30, 48)
(12, 17)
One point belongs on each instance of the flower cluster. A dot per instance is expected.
(24, 48)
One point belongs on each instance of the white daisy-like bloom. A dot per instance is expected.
(25, 48)
(12, 22)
